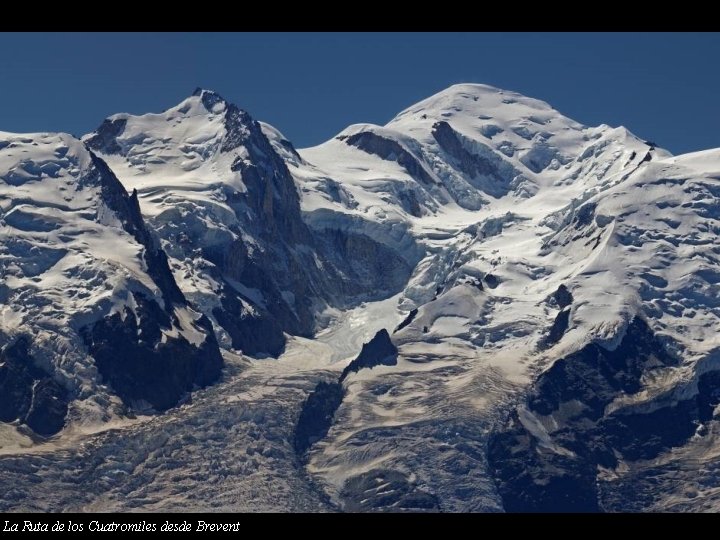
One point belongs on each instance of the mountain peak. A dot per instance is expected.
(210, 99)
(201, 120)
(482, 102)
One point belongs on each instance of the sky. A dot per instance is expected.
(663, 87)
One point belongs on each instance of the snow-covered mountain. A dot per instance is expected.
(228, 215)
(87, 298)
(537, 299)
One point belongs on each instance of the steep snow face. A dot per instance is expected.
(74, 252)
(648, 245)
(228, 212)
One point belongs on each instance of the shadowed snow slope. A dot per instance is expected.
(551, 288)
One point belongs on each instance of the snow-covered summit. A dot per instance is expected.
(472, 102)
(463, 147)
(181, 140)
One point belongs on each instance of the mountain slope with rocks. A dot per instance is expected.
(90, 311)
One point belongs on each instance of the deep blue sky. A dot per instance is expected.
(663, 87)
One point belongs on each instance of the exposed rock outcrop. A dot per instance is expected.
(547, 456)
(28, 394)
(143, 365)
(379, 351)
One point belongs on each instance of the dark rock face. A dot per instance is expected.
(562, 297)
(410, 203)
(531, 476)
(271, 191)
(380, 351)
(317, 414)
(253, 333)
(407, 320)
(105, 137)
(584, 215)
(135, 360)
(491, 280)
(27, 393)
(274, 313)
(390, 150)
(557, 330)
(532, 479)
(596, 376)
(475, 167)
(381, 490)
(361, 265)
(48, 408)
(654, 481)
(209, 99)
